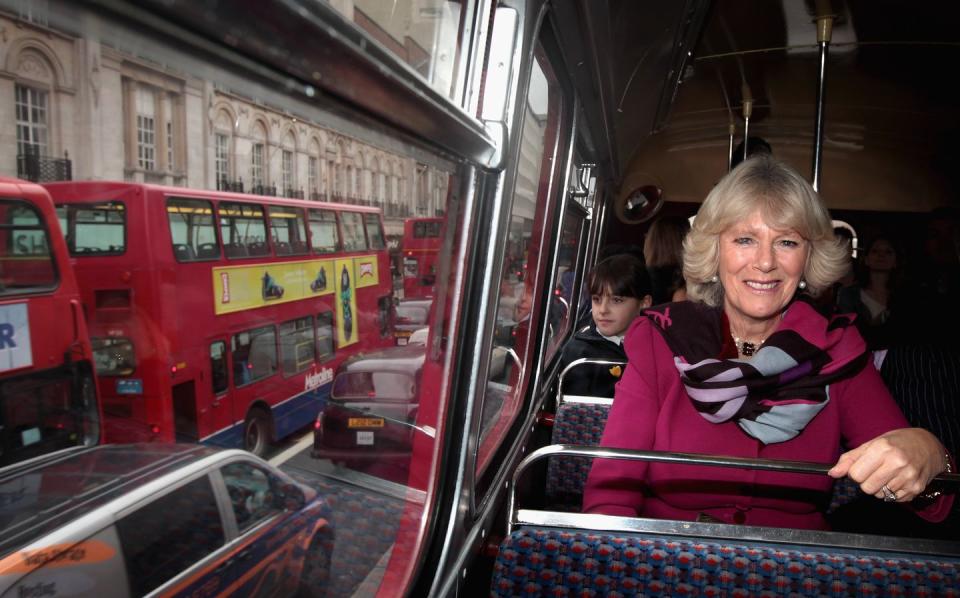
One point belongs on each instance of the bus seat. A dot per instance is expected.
(282, 248)
(925, 382)
(207, 251)
(183, 253)
(578, 423)
(537, 561)
(298, 247)
(258, 248)
(235, 250)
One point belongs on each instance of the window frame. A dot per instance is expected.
(214, 209)
(70, 231)
(360, 226)
(305, 365)
(272, 328)
(42, 227)
(296, 214)
(222, 207)
(336, 229)
(488, 479)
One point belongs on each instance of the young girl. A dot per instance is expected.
(619, 289)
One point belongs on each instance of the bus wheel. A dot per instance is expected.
(256, 432)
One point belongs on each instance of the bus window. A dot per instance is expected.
(288, 230)
(218, 366)
(254, 355)
(323, 231)
(562, 299)
(516, 324)
(325, 346)
(374, 232)
(192, 229)
(97, 229)
(25, 260)
(242, 229)
(426, 229)
(297, 348)
(114, 356)
(353, 237)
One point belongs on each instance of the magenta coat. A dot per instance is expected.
(652, 411)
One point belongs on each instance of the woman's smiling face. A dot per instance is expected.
(760, 268)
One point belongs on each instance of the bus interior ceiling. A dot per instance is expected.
(660, 117)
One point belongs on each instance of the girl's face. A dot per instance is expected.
(882, 256)
(614, 313)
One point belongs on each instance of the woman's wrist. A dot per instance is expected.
(932, 491)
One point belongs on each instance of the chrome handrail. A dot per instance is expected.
(573, 450)
(581, 361)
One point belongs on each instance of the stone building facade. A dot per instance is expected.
(73, 107)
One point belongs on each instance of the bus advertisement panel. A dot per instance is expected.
(222, 317)
(47, 389)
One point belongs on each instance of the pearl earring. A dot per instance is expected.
(714, 278)
(802, 285)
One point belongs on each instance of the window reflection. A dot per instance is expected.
(563, 301)
(424, 34)
(515, 328)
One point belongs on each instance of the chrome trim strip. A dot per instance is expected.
(585, 400)
(742, 533)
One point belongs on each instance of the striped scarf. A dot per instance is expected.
(775, 394)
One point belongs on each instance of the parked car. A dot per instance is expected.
(412, 315)
(159, 519)
(371, 413)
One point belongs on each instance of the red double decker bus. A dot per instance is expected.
(221, 317)
(420, 247)
(47, 386)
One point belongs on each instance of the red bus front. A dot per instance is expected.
(47, 387)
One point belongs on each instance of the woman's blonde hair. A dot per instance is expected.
(786, 201)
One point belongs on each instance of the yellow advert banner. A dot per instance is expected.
(238, 288)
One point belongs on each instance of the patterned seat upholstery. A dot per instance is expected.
(536, 562)
(575, 423)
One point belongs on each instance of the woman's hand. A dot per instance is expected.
(897, 465)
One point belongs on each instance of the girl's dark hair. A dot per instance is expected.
(622, 274)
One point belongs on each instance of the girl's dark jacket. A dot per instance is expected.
(590, 379)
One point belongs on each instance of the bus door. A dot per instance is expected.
(210, 407)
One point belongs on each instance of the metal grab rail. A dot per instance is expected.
(678, 458)
(582, 361)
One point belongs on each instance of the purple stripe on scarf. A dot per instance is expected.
(801, 369)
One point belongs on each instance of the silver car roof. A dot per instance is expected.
(44, 494)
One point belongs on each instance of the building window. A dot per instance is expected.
(222, 161)
(146, 131)
(32, 133)
(256, 165)
(287, 169)
(313, 174)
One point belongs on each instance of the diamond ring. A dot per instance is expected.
(888, 494)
